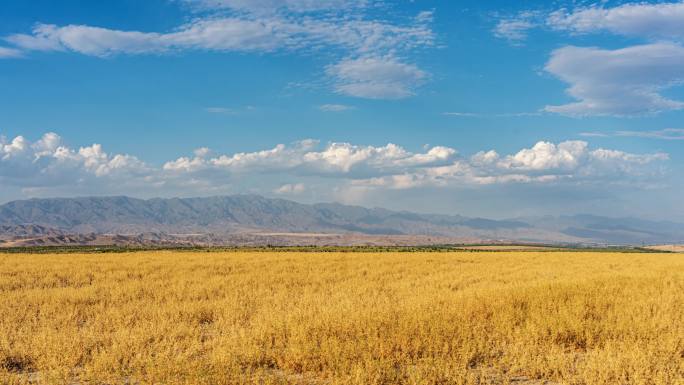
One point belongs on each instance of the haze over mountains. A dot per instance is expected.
(240, 218)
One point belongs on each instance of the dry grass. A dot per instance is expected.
(342, 318)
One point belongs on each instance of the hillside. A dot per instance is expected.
(225, 216)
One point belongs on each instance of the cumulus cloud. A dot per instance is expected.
(290, 189)
(548, 156)
(545, 162)
(376, 77)
(303, 158)
(655, 21)
(574, 156)
(48, 163)
(47, 166)
(623, 82)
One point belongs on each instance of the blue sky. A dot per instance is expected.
(495, 108)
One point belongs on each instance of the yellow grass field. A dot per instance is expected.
(342, 318)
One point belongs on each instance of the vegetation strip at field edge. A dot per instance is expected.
(472, 248)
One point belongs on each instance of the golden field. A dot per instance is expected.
(342, 318)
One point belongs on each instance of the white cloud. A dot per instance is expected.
(565, 162)
(221, 110)
(493, 115)
(230, 110)
(575, 156)
(234, 33)
(461, 114)
(225, 34)
(185, 164)
(290, 189)
(376, 77)
(593, 134)
(484, 158)
(14, 148)
(202, 152)
(334, 107)
(261, 6)
(302, 158)
(614, 82)
(49, 167)
(425, 16)
(622, 82)
(665, 134)
(655, 21)
(6, 53)
(47, 163)
(548, 156)
(515, 29)
(367, 41)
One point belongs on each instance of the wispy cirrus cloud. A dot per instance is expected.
(644, 20)
(364, 45)
(461, 114)
(492, 115)
(221, 110)
(229, 110)
(277, 5)
(6, 52)
(335, 107)
(515, 29)
(650, 21)
(665, 134)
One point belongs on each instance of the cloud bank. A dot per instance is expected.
(49, 167)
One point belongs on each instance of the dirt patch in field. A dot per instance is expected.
(671, 248)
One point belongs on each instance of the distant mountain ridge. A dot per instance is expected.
(227, 214)
(235, 214)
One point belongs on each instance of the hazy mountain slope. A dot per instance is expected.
(251, 213)
(216, 214)
(13, 231)
(612, 230)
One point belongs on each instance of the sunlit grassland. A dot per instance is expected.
(166, 317)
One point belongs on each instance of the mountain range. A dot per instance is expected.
(251, 218)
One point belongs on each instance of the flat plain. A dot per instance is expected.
(170, 317)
